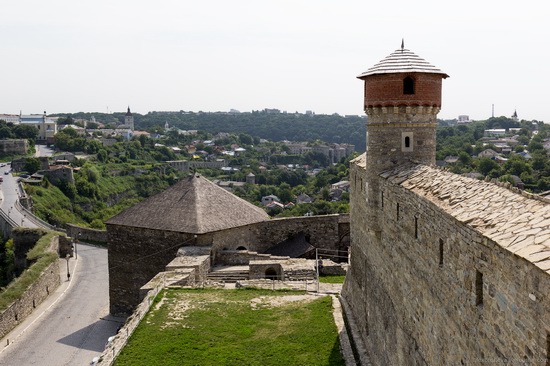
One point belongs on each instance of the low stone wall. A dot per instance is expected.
(48, 281)
(116, 344)
(86, 234)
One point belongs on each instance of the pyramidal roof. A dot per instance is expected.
(402, 61)
(193, 205)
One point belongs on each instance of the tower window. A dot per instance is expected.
(416, 227)
(407, 141)
(408, 85)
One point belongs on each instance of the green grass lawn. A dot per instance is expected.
(235, 327)
(332, 279)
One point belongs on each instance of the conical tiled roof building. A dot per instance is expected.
(194, 205)
(144, 238)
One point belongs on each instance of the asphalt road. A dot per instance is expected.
(72, 326)
(9, 193)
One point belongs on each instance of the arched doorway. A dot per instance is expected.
(241, 248)
(271, 274)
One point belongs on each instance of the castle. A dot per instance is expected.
(194, 226)
(444, 270)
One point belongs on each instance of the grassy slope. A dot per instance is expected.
(50, 204)
(222, 328)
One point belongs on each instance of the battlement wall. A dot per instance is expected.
(437, 284)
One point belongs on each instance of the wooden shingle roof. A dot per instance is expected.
(402, 61)
(194, 205)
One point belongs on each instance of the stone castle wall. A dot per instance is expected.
(136, 255)
(429, 290)
(325, 232)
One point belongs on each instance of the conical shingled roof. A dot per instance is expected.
(194, 205)
(402, 61)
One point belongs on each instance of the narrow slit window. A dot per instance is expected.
(479, 288)
(416, 227)
(407, 142)
(547, 349)
(382, 199)
(408, 85)
(440, 253)
(397, 212)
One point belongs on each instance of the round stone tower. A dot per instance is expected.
(402, 99)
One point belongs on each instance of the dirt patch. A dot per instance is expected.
(274, 301)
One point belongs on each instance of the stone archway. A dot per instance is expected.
(271, 274)
(241, 248)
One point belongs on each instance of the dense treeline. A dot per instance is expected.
(271, 126)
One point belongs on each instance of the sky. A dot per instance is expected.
(67, 56)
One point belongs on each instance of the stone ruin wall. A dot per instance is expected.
(412, 310)
(14, 146)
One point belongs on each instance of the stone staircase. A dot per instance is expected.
(228, 274)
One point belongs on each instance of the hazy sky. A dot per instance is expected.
(214, 55)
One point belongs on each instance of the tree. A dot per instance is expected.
(485, 165)
(23, 131)
(32, 165)
(5, 133)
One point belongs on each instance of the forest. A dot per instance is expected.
(274, 126)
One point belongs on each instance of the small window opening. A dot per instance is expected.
(440, 253)
(382, 199)
(408, 85)
(407, 141)
(416, 227)
(479, 288)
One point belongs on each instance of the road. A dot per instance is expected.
(9, 193)
(73, 325)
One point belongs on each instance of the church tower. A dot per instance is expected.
(402, 100)
(129, 119)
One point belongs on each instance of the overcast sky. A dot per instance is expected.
(214, 55)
